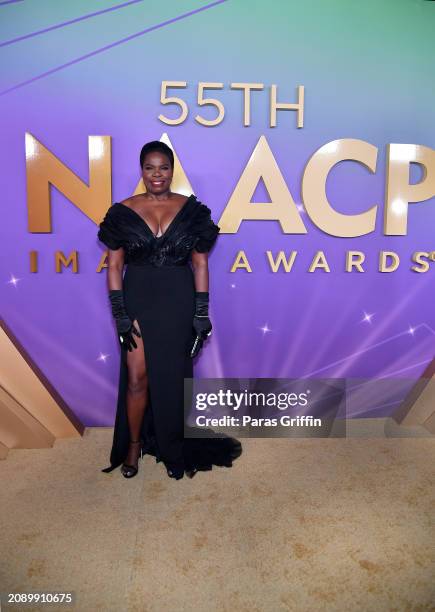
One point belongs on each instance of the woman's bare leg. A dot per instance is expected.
(137, 395)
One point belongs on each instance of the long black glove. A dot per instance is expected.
(124, 324)
(201, 322)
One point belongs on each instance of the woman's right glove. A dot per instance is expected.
(124, 324)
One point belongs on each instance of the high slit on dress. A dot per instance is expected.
(159, 292)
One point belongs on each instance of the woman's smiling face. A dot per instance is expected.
(157, 172)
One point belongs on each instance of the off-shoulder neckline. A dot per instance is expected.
(145, 224)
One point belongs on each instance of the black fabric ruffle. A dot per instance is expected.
(203, 451)
(110, 232)
(205, 229)
(193, 229)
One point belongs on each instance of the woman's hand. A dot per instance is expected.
(201, 322)
(202, 325)
(124, 325)
(125, 334)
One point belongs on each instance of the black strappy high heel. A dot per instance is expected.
(131, 470)
(175, 471)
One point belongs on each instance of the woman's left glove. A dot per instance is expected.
(201, 323)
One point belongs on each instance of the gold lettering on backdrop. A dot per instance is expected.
(33, 261)
(247, 88)
(354, 259)
(44, 168)
(319, 261)
(61, 261)
(417, 257)
(314, 187)
(399, 192)
(297, 106)
(383, 263)
(242, 262)
(211, 101)
(164, 99)
(103, 261)
(282, 207)
(275, 264)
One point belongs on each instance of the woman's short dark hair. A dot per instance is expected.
(156, 145)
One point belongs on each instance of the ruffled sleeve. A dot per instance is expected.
(110, 231)
(206, 230)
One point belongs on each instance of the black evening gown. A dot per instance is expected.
(159, 292)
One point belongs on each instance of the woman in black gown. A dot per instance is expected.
(160, 307)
